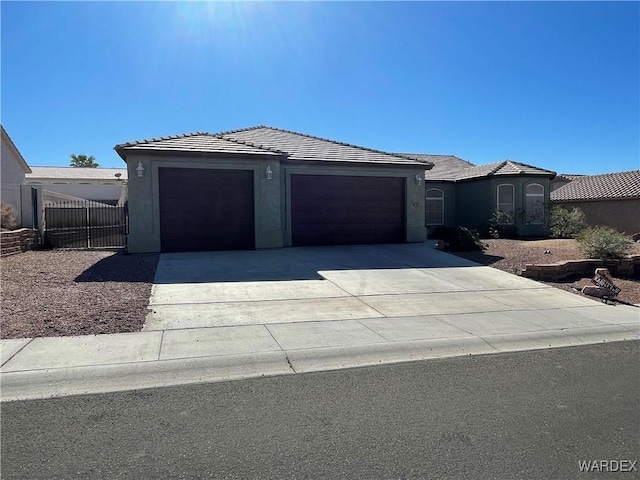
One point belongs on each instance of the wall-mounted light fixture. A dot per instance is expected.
(418, 179)
(140, 169)
(268, 172)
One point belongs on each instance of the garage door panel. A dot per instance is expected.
(339, 210)
(206, 209)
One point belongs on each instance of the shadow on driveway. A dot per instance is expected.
(299, 263)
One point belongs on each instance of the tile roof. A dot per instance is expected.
(76, 173)
(197, 142)
(594, 187)
(264, 140)
(503, 168)
(16, 153)
(445, 167)
(569, 176)
(300, 146)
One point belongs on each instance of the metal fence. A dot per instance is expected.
(85, 224)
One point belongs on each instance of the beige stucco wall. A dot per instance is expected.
(11, 177)
(622, 214)
(271, 197)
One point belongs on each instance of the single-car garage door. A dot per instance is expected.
(203, 209)
(343, 210)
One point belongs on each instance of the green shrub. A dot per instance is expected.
(603, 242)
(565, 223)
(458, 239)
(502, 225)
(8, 216)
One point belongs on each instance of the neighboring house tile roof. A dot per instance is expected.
(569, 176)
(596, 187)
(445, 167)
(264, 140)
(75, 173)
(503, 168)
(16, 153)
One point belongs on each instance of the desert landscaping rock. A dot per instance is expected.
(51, 293)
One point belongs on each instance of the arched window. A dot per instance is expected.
(434, 207)
(534, 204)
(505, 204)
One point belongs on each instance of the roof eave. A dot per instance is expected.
(303, 161)
(123, 152)
(12, 146)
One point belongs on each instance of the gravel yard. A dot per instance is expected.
(512, 255)
(50, 293)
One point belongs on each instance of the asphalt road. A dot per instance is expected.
(518, 415)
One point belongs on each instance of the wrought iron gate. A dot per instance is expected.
(85, 225)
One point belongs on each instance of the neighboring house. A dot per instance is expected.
(562, 179)
(12, 175)
(610, 199)
(263, 187)
(459, 193)
(105, 185)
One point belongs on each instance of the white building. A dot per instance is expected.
(106, 185)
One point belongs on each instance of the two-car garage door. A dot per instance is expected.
(347, 210)
(213, 209)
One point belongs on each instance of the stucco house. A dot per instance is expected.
(12, 190)
(460, 193)
(104, 185)
(609, 199)
(264, 187)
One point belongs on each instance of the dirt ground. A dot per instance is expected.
(50, 293)
(512, 255)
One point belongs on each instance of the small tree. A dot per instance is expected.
(83, 160)
(565, 223)
(603, 242)
(8, 216)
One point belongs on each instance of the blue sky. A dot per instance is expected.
(552, 84)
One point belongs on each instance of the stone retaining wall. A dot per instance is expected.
(17, 241)
(623, 268)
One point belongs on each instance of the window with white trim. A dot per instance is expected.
(534, 204)
(505, 204)
(434, 207)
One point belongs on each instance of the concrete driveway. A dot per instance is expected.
(319, 297)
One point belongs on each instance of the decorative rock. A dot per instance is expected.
(595, 291)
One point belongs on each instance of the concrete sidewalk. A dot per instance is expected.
(304, 310)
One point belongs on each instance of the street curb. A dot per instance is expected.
(59, 382)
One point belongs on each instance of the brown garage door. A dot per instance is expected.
(203, 209)
(343, 210)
